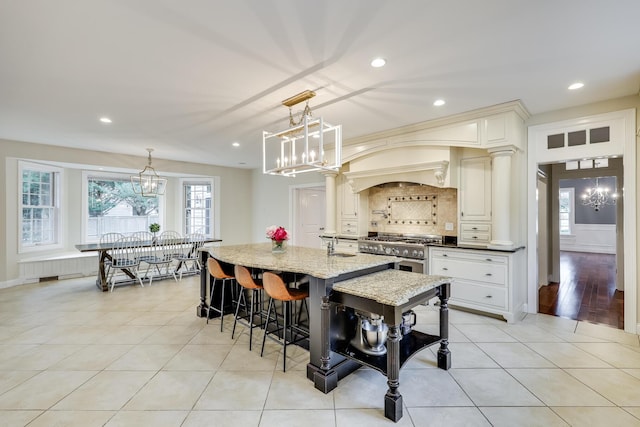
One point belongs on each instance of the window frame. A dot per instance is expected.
(572, 211)
(86, 174)
(215, 203)
(56, 199)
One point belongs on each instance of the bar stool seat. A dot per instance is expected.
(215, 270)
(246, 281)
(275, 287)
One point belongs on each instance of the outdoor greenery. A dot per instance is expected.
(106, 194)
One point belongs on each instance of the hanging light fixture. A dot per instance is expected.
(308, 144)
(147, 182)
(597, 197)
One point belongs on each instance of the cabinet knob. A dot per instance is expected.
(445, 268)
(489, 259)
(445, 255)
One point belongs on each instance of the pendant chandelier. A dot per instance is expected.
(597, 197)
(147, 182)
(309, 144)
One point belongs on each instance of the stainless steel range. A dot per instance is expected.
(411, 248)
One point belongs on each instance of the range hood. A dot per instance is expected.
(432, 173)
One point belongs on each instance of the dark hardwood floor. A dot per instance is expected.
(586, 290)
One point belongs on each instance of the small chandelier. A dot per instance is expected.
(597, 197)
(307, 145)
(147, 182)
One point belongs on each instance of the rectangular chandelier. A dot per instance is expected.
(309, 145)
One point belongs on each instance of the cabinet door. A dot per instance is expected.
(349, 201)
(475, 189)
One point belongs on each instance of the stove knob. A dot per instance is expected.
(405, 252)
(414, 253)
(388, 251)
(421, 254)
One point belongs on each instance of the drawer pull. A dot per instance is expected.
(489, 296)
(445, 268)
(474, 228)
(489, 259)
(474, 237)
(445, 255)
(488, 274)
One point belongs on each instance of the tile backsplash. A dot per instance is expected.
(413, 209)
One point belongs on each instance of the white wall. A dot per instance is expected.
(235, 196)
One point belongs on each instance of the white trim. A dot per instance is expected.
(623, 133)
(214, 201)
(58, 185)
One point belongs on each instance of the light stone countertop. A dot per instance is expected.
(297, 259)
(390, 287)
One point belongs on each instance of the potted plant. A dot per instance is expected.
(154, 228)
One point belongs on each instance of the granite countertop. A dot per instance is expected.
(390, 287)
(297, 259)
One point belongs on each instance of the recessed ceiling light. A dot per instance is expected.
(236, 144)
(438, 102)
(105, 119)
(576, 85)
(378, 62)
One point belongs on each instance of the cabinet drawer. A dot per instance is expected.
(477, 271)
(478, 294)
(476, 237)
(475, 228)
(348, 246)
(469, 255)
(349, 227)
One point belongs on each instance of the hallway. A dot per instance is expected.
(587, 290)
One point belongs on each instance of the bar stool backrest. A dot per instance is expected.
(243, 276)
(275, 287)
(216, 270)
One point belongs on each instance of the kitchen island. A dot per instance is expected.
(365, 282)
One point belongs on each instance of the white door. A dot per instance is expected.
(310, 216)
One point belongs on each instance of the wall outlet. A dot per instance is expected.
(448, 226)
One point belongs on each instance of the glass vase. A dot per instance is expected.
(278, 246)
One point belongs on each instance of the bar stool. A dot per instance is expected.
(244, 279)
(215, 270)
(277, 290)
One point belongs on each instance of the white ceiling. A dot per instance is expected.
(190, 77)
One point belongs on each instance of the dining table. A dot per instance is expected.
(104, 256)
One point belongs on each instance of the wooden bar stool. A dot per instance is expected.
(246, 281)
(215, 270)
(277, 290)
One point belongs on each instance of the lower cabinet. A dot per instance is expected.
(484, 280)
(349, 246)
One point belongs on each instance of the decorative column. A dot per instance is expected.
(330, 207)
(501, 197)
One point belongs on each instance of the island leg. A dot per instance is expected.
(325, 379)
(393, 398)
(444, 355)
(201, 310)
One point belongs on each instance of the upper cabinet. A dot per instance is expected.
(475, 201)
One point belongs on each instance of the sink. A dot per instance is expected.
(342, 255)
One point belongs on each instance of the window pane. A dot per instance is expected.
(113, 207)
(197, 216)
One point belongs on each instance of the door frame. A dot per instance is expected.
(623, 142)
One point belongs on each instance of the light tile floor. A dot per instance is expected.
(71, 355)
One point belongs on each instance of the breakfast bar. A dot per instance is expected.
(339, 285)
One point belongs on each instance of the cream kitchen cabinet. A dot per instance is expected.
(475, 201)
(483, 280)
(349, 246)
(353, 208)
